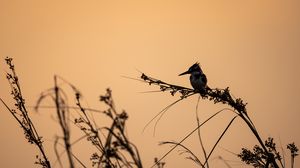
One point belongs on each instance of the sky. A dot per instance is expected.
(252, 47)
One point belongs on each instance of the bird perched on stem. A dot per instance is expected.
(198, 79)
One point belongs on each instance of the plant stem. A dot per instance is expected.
(63, 124)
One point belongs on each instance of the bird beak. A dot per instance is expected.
(184, 73)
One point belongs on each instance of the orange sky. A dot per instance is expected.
(252, 47)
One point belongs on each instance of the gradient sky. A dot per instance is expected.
(250, 46)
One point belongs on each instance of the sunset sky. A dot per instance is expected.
(252, 47)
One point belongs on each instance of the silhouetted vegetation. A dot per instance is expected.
(22, 116)
(112, 147)
(260, 159)
(264, 155)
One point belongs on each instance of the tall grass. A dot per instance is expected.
(112, 147)
(263, 155)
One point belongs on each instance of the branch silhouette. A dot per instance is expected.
(113, 147)
(216, 95)
(21, 114)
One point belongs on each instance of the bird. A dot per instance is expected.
(198, 79)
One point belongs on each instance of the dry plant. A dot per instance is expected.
(112, 146)
(22, 116)
(111, 143)
(115, 149)
(59, 97)
(259, 158)
(264, 155)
